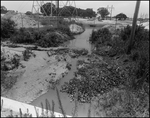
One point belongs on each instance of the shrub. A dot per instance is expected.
(102, 36)
(141, 34)
(45, 22)
(64, 29)
(7, 28)
(7, 81)
(49, 40)
(121, 103)
(26, 54)
(118, 47)
(23, 36)
(92, 80)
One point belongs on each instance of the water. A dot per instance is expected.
(80, 41)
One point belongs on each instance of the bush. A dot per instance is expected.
(141, 34)
(91, 80)
(22, 36)
(64, 29)
(102, 36)
(7, 82)
(50, 40)
(45, 37)
(7, 28)
(26, 54)
(121, 103)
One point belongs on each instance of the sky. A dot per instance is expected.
(126, 7)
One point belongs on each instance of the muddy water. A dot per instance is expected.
(80, 41)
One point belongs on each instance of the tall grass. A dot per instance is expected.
(60, 103)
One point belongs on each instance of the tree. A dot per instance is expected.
(67, 11)
(90, 13)
(8, 27)
(121, 16)
(3, 10)
(28, 13)
(103, 12)
(46, 9)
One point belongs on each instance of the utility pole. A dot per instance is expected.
(57, 11)
(107, 9)
(111, 12)
(38, 19)
(51, 9)
(133, 26)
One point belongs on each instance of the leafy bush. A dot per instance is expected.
(118, 47)
(64, 29)
(91, 80)
(49, 40)
(22, 36)
(101, 36)
(121, 103)
(7, 81)
(7, 28)
(141, 34)
(45, 37)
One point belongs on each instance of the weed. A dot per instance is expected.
(60, 103)
(26, 54)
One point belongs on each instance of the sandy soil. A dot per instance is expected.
(35, 77)
(22, 20)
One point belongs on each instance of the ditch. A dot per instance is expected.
(80, 41)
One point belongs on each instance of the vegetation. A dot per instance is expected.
(115, 77)
(45, 37)
(26, 54)
(91, 80)
(101, 36)
(3, 10)
(46, 9)
(107, 81)
(70, 11)
(67, 11)
(121, 16)
(28, 13)
(7, 28)
(8, 81)
(103, 12)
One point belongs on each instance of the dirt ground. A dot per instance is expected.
(35, 74)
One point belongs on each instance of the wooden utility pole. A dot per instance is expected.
(51, 9)
(38, 19)
(111, 11)
(133, 26)
(57, 11)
